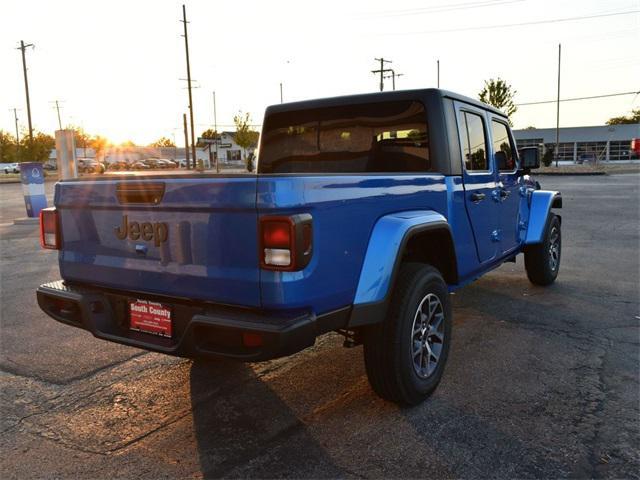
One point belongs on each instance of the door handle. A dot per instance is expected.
(504, 194)
(477, 197)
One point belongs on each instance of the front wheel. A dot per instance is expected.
(542, 261)
(405, 355)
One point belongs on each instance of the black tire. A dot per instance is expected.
(389, 347)
(542, 261)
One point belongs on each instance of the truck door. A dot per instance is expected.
(506, 162)
(479, 179)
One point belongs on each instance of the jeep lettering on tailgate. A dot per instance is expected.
(147, 231)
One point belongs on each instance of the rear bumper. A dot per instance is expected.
(199, 330)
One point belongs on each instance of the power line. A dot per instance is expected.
(577, 98)
(441, 8)
(508, 25)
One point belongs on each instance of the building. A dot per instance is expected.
(229, 152)
(580, 144)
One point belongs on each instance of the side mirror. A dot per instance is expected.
(530, 157)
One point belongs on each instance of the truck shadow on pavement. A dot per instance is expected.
(244, 429)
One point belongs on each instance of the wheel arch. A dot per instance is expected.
(423, 237)
(541, 203)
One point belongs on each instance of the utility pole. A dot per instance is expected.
(23, 47)
(215, 129)
(186, 140)
(438, 73)
(382, 71)
(58, 110)
(281, 92)
(186, 48)
(15, 115)
(393, 77)
(558, 109)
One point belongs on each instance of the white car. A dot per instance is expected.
(12, 168)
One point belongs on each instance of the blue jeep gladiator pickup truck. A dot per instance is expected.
(366, 211)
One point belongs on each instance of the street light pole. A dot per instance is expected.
(58, 110)
(15, 115)
(281, 101)
(215, 129)
(558, 109)
(438, 73)
(186, 140)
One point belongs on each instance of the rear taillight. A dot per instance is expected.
(286, 243)
(49, 229)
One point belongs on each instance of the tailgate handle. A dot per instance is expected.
(141, 193)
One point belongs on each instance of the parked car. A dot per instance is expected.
(363, 228)
(119, 165)
(49, 166)
(153, 163)
(167, 163)
(12, 168)
(139, 166)
(90, 166)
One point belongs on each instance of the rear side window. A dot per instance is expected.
(503, 150)
(474, 143)
(368, 138)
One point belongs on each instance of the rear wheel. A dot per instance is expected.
(542, 261)
(405, 355)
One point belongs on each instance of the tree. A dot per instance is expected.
(162, 142)
(625, 120)
(37, 150)
(245, 137)
(99, 145)
(8, 148)
(499, 94)
(547, 158)
(208, 133)
(128, 143)
(82, 138)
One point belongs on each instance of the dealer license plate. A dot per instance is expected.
(150, 317)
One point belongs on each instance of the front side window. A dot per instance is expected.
(474, 145)
(368, 138)
(503, 151)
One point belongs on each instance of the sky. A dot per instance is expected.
(116, 66)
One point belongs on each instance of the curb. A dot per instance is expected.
(575, 174)
(26, 221)
(17, 180)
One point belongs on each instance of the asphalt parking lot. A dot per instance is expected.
(541, 382)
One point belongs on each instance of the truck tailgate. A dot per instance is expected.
(184, 237)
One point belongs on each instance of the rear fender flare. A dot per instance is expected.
(542, 201)
(385, 250)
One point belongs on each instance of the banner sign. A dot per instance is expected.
(32, 178)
